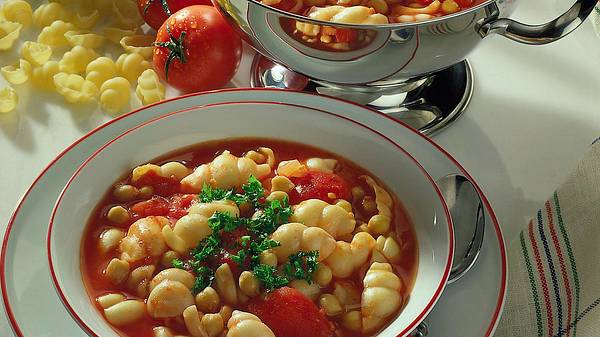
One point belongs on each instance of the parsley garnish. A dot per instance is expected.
(209, 194)
(274, 215)
(269, 277)
(251, 250)
(223, 221)
(246, 250)
(204, 278)
(207, 247)
(302, 265)
(253, 193)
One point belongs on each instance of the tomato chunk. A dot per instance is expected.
(346, 34)
(180, 203)
(319, 185)
(155, 206)
(289, 313)
(163, 186)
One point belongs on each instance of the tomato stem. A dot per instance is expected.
(176, 49)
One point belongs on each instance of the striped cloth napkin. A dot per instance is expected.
(595, 18)
(554, 265)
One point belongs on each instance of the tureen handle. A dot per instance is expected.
(536, 34)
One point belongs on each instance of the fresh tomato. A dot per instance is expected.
(155, 206)
(289, 313)
(345, 34)
(163, 186)
(180, 203)
(155, 12)
(318, 185)
(197, 50)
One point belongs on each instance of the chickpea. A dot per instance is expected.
(226, 312)
(213, 324)
(268, 258)
(380, 6)
(141, 170)
(125, 192)
(277, 195)
(379, 224)
(352, 321)
(369, 204)
(146, 192)
(281, 183)
(357, 193)
(117, 214)
(323, 275)
(311, 291)
(450, 6)
(330, 304)
(167, 258)
(208, 300)
(344, 204)
(117, 271)
(249, 284)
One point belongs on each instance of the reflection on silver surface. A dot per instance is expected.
(466, 210)
(428, 103)
(391, 53)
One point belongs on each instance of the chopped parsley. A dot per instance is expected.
(253, 193)
(204, 278)
(243, 239)
(269, 277)
(275, 214)
(251, 250)
(302, 265)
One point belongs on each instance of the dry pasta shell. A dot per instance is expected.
(127, 13)
(36, 53)
(9, 34)
(139, 44)
(86, 20)
(17, 74)
(74, 88)
(84, 38)
(54, 35)
(18, 11)
(8, 99)
(48, 13)
(115, 34)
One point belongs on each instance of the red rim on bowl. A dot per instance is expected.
(3, 253)
(409, 328)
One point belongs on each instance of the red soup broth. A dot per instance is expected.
(93, 263)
